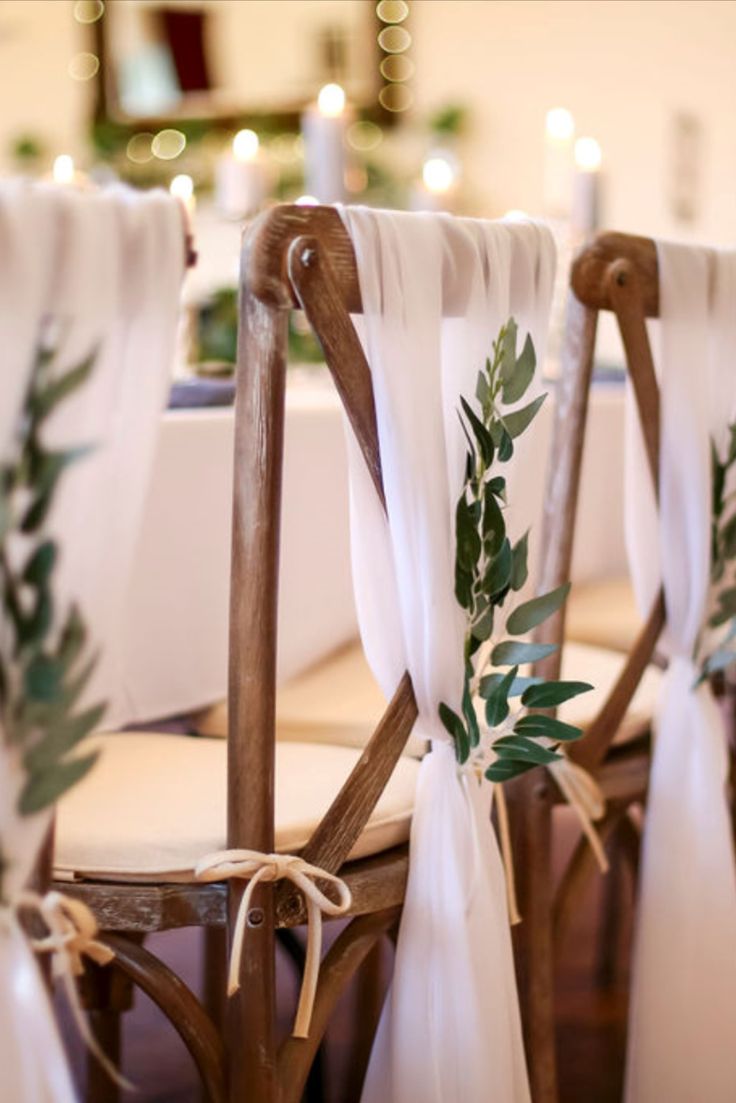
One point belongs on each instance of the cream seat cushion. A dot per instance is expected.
(603, 613)
(155, 804)
(339, 702)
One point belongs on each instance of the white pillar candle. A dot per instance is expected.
(585, 211)
(323, 128)
(558, 162)
(182, 186)
(240, 179)
(438, 187)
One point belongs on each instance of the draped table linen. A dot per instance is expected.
(435, 292)
(683, 1000)
(104, 269)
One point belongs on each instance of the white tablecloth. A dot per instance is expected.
(176, 638)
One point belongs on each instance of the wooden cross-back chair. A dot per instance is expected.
(616, 273)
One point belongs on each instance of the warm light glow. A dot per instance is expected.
(138, 148)
(516, 215)
(245, 145)
(63, 171)
(83, 66)
(395, 97)
(560, 125)
(364, 136)
(397, 67)
(394, 40)
(307, 201)
(182, 186)
(438, 175)
(88, 11)
(392, 11)
(331, 100)
(168, 144)
(588, 155)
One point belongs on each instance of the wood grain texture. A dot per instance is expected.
(589, 275)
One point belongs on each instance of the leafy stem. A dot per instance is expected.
(489, 570)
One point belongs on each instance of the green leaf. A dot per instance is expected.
(493, 522)
(497, 704)
(511, 652)
(508, 350)
(41, 563)
(471, 720)
(536, 725)
(506, 768)
(62, 738)
(499, 571)
(726, 609)
(480, 432)
(728, 537)
(43, 401)
(44, 787)
(522, 748)
(468, 540)
(463, 587)
(517, 421)
(519, 564)
(497, 487)
(515, 385)
(719, 479)
(719, 660)
(547, 695)
(506, 447)
(33, 628)
(483, 626)
(481, 389)
(42, 678)
(72, 639)
(489, 682)
(534, 612)
(454, 725)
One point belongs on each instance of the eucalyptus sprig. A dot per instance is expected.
(488, 570)
(722, 618)
(44, 664)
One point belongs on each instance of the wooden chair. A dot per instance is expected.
(302, 257)
(617, 273)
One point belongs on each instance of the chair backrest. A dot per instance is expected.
(293, 257)
(617, 273)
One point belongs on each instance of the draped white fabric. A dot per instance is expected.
(435, 292)
(683, 1003)
(106, 268)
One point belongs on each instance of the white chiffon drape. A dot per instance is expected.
(683, 1002)
(435, 292)
(105, 268)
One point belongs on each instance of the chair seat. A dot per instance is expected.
(155, 804)
(339, 702)
(603, 613)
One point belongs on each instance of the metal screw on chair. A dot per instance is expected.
(308, 256)
(621, 279)
(255, 917)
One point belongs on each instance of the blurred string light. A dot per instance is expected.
(139, 149)
(63, 170)
(168, 144)
(397, 68)
(560, 125)
(88, 11)
(287, 149)
(588, 155)
(364, 136)
(84, 66)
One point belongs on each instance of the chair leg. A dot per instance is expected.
(106, 995)
(214, 973)
(370, 989)
(618, 890)
(314, 1091)
(530, 814)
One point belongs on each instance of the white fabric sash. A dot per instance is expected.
(450, 1028)
(683, 1002)
(107, 268)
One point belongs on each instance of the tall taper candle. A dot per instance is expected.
(323, 127)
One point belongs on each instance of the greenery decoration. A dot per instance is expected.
(44, 662)
(489, 570)
(217, 332)
(722, 619)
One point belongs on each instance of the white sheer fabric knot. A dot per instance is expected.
(72, 930)
(254, 866)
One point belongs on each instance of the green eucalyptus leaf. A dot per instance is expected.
(539, 725)
(726, 609)
(44, 787)
(482, 392)
(497, 703)
(494, 526)
(518, 420)
(524, 749)
(471, 720)
(504, 769)
(38, 568)
(506, 446)
(468, 540)
(497, 487)
(46, 399)
(489, 682)
(728, 537)
(547, 695)
(42, 680)
(483, 625)
(481, 434)
(536, 611)
(508, 350)
(516, 384)
(511, 652)
(63, 738)
(454, 725)
(499, 571)
(519, 562)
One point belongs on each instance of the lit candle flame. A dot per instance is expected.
(245, 145)
(182, 186)
(331, 100)
(588, 155)
(63, 171)
(438, 175)
(560, 125)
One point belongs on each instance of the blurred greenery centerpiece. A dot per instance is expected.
(216, 335)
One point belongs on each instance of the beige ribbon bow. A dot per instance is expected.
(253, 866)
(71, 936)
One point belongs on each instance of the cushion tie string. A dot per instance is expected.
(253, 866)
(72, 930)
(584, 795)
